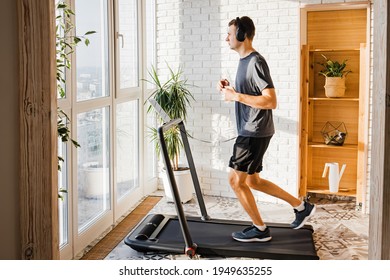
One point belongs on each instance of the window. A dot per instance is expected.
(62, 191)
(127, 151)
(103, 177)
(128, 44)
(150, 42)
(92, 65)
(93, 165)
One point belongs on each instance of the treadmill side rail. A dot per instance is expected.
(194, 175)
(175, 191)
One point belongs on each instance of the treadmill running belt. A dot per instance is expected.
(214, 239)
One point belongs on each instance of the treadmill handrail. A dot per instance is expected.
(194, 175)
(175, 193)
(169, 124)
(190, 161)
(172, 181)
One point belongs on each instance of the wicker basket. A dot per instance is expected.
(335, 86)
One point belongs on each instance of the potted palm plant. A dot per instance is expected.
(174, 97)
(335, 74)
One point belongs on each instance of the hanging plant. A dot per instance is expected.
(66, 43)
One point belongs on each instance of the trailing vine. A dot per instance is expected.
(66, 42)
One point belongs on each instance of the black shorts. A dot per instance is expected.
(248, 154)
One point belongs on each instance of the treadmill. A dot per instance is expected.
(205, 236)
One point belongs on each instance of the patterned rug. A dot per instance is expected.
(340, 231)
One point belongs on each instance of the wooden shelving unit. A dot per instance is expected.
(339, 35)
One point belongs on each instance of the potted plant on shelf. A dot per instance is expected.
(174, 97)
(335, 74)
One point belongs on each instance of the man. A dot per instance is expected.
(254, 97)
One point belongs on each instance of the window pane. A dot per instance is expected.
(127, 156)
(151, 155)
(60, 41)
(93, 165)
(128, 43)
(150, 37)
(92, 61)
(62, 190)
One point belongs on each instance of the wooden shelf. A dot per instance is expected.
(325, 190)
(334, 50)
(333, 99)
(324, 146)
(338, 41)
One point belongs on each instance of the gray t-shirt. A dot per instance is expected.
(252, 77)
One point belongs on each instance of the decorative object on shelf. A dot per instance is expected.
(334, 175)
(335, 74)
(334, 133)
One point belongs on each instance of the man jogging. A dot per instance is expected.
(255, 98)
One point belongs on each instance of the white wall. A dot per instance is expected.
(191, 33)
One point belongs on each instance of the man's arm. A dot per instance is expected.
(265, 101)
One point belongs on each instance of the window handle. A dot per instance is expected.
(119, 35)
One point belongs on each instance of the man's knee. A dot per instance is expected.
(232, 179)
(236, 181)
(253, 181)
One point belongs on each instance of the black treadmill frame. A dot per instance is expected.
(190, 247)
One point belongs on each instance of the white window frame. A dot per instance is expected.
(78, 242)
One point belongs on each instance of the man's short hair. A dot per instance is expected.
(248, 25)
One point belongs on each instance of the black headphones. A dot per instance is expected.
(241, 32)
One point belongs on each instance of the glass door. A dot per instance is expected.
(128, 105)
(92, 120)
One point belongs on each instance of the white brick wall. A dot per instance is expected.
(191, 33)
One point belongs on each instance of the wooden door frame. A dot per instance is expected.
(38, 130)
(379, 229)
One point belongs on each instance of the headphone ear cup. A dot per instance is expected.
(240, 35)
(240, 32)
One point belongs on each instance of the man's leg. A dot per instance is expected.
(258, 232)
(255, 182)
(303, 210)
(237, 180)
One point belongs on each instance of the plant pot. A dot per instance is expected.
(96, 180)
(335, 86)
(184, 184)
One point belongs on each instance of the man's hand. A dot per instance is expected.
(222, 83)
(230, 93)
(265, 101)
